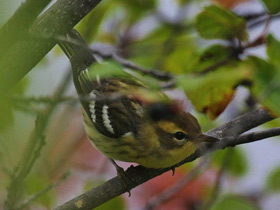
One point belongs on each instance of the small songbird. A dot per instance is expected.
(125, 119)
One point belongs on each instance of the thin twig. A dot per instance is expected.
(33, 148)
(40, 193)
(171, 191)
(217, 186)
(260, 21)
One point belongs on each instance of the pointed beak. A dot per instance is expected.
(205, 138)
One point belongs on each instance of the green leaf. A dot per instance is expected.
(215, 22)
(273, 180)
(272, 6)
(211, 56)
(183, 56)
(116, 203)
(35, 184)
(273, 50)
(237, 163)
(266, 86)
(6, 114)
(233, 202)
(210, 93)
(90, 25)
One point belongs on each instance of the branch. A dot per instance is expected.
(128, 64)
(171, 191)
(114, 186)
(33, 148)
(17, 26)
(25, 54)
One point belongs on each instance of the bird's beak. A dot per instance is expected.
(205, 138)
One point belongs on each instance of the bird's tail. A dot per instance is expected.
(76, 49)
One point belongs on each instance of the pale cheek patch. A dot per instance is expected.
(106, 120)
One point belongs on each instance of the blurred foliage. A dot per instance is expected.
(273, 180)
(273, 6)
(236, 163)
(37, 182)
(203, 52)
(218, 23)
(266, 86)
(211, 93)
(115, 203)
(233, 202)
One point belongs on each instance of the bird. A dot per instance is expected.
(124, 118)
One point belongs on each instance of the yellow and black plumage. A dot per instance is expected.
(124, 125)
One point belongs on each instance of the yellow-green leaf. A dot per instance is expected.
(266, 86)
(236, 163)
(272, 6)
(233, 202)
(273, 180)
(210, 93)
(273, 50)
(215, 22)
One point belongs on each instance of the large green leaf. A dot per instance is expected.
(211, 56)
(215, 22)
(233, 202)
(273, 6)
(35, 184)
(6, 114)
(210, 93)
(273, 180)
(273, 50)
(266, 86)
(236, 164)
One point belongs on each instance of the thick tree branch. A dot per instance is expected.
(25, 54)
(114, 186)
(17, 26)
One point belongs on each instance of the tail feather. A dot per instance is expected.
(76, 49)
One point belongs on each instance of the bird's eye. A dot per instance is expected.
(179, 135)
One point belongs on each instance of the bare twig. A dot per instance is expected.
(217, 186)
(128, 64)
(171, 191)
(262, 20)
(33, 149)
(114, 186)
(38, 194)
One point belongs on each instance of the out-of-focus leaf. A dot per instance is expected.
(106, 69)
(266, 86)
(210, 93)
(89, 26)
(237, 163)
(233, 202)
(273, 50)
(215, 22)
(273, 6)
(229, 3)
(116, 203)
(211, 56)
(137, 8)
(182, 57)
(273, 180)
(6, 114)
(35, 184)
(20, 87)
